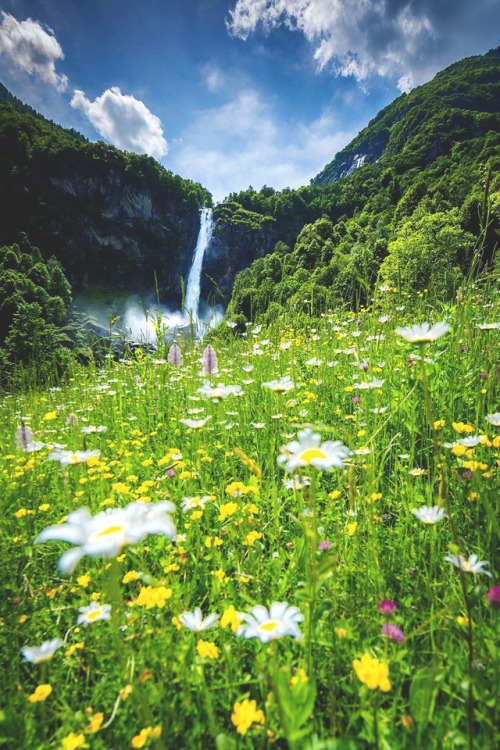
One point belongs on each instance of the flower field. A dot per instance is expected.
(288, 539)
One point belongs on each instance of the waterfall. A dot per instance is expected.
(192, 299)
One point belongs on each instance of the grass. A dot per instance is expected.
(334, 548)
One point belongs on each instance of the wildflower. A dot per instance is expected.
(26, 440)
(372, 673)
(95, 723)
(194, 620)
(351, 528)
(324, 545)
(266, 625)
(195, 424)
(392, 632)
(41, 693)
(308, 451)
(132, 575)
(83, 580)
(369, 384)
(125, 692)
(37, 655)
(493, 597)
(407, 721)
(423, 334)
(73, 741)
(494, 419)
(472, 565)
(149, 732)
(191, 503)
(151, 596)
(209, 361)
(245, 714)
(72, 457)
(386, 607)
(226, 510)
(174, 356)
(280, 386)
(93, 613)
(90, 429)
(105, 534)
(230, 617)
(220, 392)
(428, 515)
(487, 326)
(207, 650)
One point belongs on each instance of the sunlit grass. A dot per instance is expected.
(144, 660)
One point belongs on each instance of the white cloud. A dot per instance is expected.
(244, 143)
(31, 48)
(406, 39)
(124, 121)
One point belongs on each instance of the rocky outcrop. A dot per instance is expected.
(239, 238)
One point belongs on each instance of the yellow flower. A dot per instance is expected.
(230, 617)
(245, 714)
(213, 541)
(372, 673)
(351, 528)
(73, 741)
(132, 575)
(95, 723)
(252, 537)
(83, 580)
(125, 692)
(341, 632)
(71, 650)
(334, 495)
(207, 650)
(227, 510)
(153, 596)
(147, 462)
(302, 676)
(458, 450)
(41, 693)
(50, 416)
(121, 488)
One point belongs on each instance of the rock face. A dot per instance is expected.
(239, 238)
(117, 234)
(112, 218)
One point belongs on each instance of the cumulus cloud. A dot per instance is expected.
(244, 142)
(406, 39)
(32, 48)
(124, 121)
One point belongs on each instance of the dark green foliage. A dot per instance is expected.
(425, 199)
(109, 217)
(34, 302)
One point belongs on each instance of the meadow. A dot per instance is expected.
(291, 538)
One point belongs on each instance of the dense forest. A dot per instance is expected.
(412, 199)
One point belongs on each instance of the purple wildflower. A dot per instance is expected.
(209, 361)
(356, 399)
(324, 545)
(174, 355)
(493, 597)
(483, 375)
(392, 632)
(24, 436)
(386, 607)
(171, 472)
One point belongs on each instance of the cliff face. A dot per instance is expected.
(113, 219)
(117, 234)
(239, 238)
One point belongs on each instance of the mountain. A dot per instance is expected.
(414, 199)
(111, 218)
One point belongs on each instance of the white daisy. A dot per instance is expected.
(267, 626)
(195, 424)
(309, 451)
(93, 613)
(105, 534)
(472, 565)
(194, 620)
(429, 515)
(494, 419)
(280, 386)
(220, 391)
(39, 654)
(72, 457)
(424, 334)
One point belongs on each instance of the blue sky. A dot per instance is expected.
(232, 93)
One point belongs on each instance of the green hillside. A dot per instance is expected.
(411, 198)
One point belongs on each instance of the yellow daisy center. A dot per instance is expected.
(270, 626)
(310, 454)
(110, 530)
(94, 614)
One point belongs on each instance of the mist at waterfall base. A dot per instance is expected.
(138, 320)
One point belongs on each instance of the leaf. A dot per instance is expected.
(423, 694)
